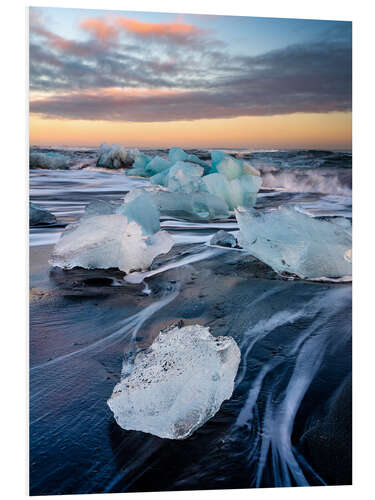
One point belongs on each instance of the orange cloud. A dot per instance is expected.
(100, 29)
(176, 30)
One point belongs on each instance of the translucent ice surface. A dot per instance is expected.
(140, 159)
(192, 206)
(38, 216)
(114, 156)
(216, 157)
(100, 207)
(185, 177)
(230, 167)
(177, 384)
(177, 154)
(140, 207)
(160, 179)
(290, 241)
(106, 241)
(157, 165)
(241, 191)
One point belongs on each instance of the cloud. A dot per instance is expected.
(102, 78)
(176, 31)
(101, 29)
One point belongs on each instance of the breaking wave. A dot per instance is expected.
(309, 181)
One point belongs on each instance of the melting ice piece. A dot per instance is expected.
(50, 160)
(223, 239)
(290, 241)
(140, 207)
(105, 241)
(185, 177)
(177, 384)
(241, 191)
(38, 216)
(157, 165)
(114, 156)
(191, 206)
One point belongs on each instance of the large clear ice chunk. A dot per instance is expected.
(177, 384)
(292, 242)
(106, 241)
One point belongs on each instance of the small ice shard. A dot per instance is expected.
(114, 157)
(50, 160)
(100, 207)
(223, 239)
(237, 192)
(185, 177)
(191, 206)
(157, 165)
(39, 215)
(140, 207)
(290, 241)
(106, 241)
(177, 384)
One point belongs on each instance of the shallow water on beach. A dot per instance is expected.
(288, 422)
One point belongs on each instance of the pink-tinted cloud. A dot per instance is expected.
(101, 29)
(177, 31)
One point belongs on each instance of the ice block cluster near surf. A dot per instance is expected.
(292, 242)
(234, 181)
(126, 237)
(177, 384)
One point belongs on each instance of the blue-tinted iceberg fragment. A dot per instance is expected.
(290, 241)
(38, 215)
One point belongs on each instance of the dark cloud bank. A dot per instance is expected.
(199, 79)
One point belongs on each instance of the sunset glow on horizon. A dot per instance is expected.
(158, 80)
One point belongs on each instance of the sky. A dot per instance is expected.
(158, 80)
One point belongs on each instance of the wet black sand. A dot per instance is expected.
(82, 325)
